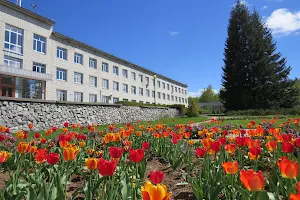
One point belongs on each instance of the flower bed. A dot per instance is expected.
(153, 161)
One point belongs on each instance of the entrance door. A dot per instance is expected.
(7, 91)
(7, 86)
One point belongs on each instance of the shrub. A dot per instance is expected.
(192, 110)
(260, 112)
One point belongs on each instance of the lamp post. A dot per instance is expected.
(154, 84)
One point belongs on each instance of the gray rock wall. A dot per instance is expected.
(17, 114)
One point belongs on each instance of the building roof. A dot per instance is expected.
(93, 49)
(26, 12)
(117, 59)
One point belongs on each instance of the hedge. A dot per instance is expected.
(261, 112)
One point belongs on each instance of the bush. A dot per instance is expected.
(180, 107)
(192, 110)
(260, 112)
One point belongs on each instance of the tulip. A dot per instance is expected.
(43, 140)
(33, 149)
(294, 196)
(115, 152)
(136, 155)
(106, 168)
(52, 158)
(145, 145)
(40, 155)
(37, 135)
(66, 124)
(230, 167)
(206, 142)
(70, 153)
(23, 147)
(288, 168)
(81, 144)
(271, 145)
(155, 192)
(241, 141)
(156, 177)
(4, 156)
(254, 153)
(200, 152)
(30, 126)
(91, 163)
(298, 187)
(222, 140)
(230, 148)
(2, 138)
(287, 147)
(191, 142)
(297, 142)
(215, 146)
(252, 180)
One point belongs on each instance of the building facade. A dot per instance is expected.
(37, 62)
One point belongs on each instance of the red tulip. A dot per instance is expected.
(40, 155)
(156, 177)
(255, 151)
(294, 196)
(287, 137)
(107, 168)
(52, 158)
(297, 142)
(241, 141)
(37, 135)
(216, 146)
(2, 138)
(115, 152)
(136, 155)
(200, 152)
(54, 128)
(287, 147)
(66, 124)
(222, 140)
(252, 180)
(145, 145)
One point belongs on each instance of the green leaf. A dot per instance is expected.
(243, 192)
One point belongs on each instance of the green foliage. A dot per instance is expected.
(254, 74)
(192, 110)
(208, 95)
(262, 112)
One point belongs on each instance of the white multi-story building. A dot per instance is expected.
(37, 62)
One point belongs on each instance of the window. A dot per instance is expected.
(164, 96)
(133, 75)
(93, 81)
(93, 63)
(105, 84)
(158, 95)
(78, 58)
(13, 62)
(141, 102)
(179, 90)
(168, 87)
(116, 86)
(158, 83)
(104, 67)
(185, 92)
(175, 89)
(125, 88)
(61, 53)
(148, 93)
(141, 77)
(182, 100)
(105, 99)
(153, 82)
(147, 102)
(125, 73)
(133, 90)
(61, 74)
(179, 100)
(61, 95)
(172, 89)
(172, 97)
(164, 85)
(147, 80)
(141, 91)
(176, 99)
(125, 99)
(116, 70)
(153, 94)
(115, 100)
(78, 96)
(39, 43)
(133, 100)
(168, 97)
(37, 67)
(93, 98)
(78, 77)
(13, 39)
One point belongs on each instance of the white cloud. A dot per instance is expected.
(173, 33)
(243, 2)
(284, 22)
(198, 93)
(264, 8)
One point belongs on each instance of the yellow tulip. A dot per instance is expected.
(155, 192)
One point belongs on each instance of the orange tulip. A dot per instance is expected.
(30, 126)
(288, 168)
(206, 142)
(230, 167)
(70, 153)
(294, 196)
(252, 180)
(91, 163)
(271, 145)
(23, 147)
(191, 142)
(155, 192)
(81, 144)
(32, 149)
(230, 148)
(4, 156)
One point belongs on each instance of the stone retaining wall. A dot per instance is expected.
(17, 113)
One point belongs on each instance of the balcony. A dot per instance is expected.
(12, 71)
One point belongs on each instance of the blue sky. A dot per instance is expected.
(183, 40)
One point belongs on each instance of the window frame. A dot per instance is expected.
(115, 83)
(61, 53)
(78, 58)
(106, 81)
(61, 72)
(76, 96)
(78, 78)
(93, 60)
(39, 66)
(105, 67)
(61, 92)
(38, 39)
(116, 72)
(126, 91)
(8, 45)
(95, 81)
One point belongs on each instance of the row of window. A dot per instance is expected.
(14, 42)
(61, 95)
